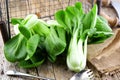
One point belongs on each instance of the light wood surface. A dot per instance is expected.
(57, 70)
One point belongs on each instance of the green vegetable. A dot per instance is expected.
(15, 49)
(36, 60)
(70, 32)
(35, 34)
(82, 29)
(55, 42)
(41, 28)
(15, 21)
(31, 45)
(22, 47)
(24, 31)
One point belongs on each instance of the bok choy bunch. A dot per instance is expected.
(70, 32)
(34, 42)
(83, 29)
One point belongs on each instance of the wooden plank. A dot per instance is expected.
(111, 76)
(117, 72)
(2, 61)
(46, 70)
(61, 70)
(57, 70)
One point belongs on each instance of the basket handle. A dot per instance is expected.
(99, 3)
(4, 31)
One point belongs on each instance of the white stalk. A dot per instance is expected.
(77, 52)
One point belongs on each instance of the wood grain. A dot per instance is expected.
(57, 70)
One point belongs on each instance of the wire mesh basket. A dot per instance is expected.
(45, 9)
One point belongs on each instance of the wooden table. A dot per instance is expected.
(57, 70)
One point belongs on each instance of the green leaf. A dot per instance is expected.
(29, 64)
(72, 10)
(36, 60)
(32, 44)
(60, 17)
(30, 20)
(24, 31)
(15, 48)
(99, 37)
(53, 23)
(90, 19)
(103, 31)
(74, 18)
(71, 19)
(15, 21)
(61, 33)
(73, 14)
(41, 28)
(78, 5)
(102, 25)
(53, 44)
(68, 22)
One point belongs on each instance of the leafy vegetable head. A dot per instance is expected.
(83, 28)
(70, 32)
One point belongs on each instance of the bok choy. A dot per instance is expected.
(34, 40)
(83, 28)
(70, 33)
